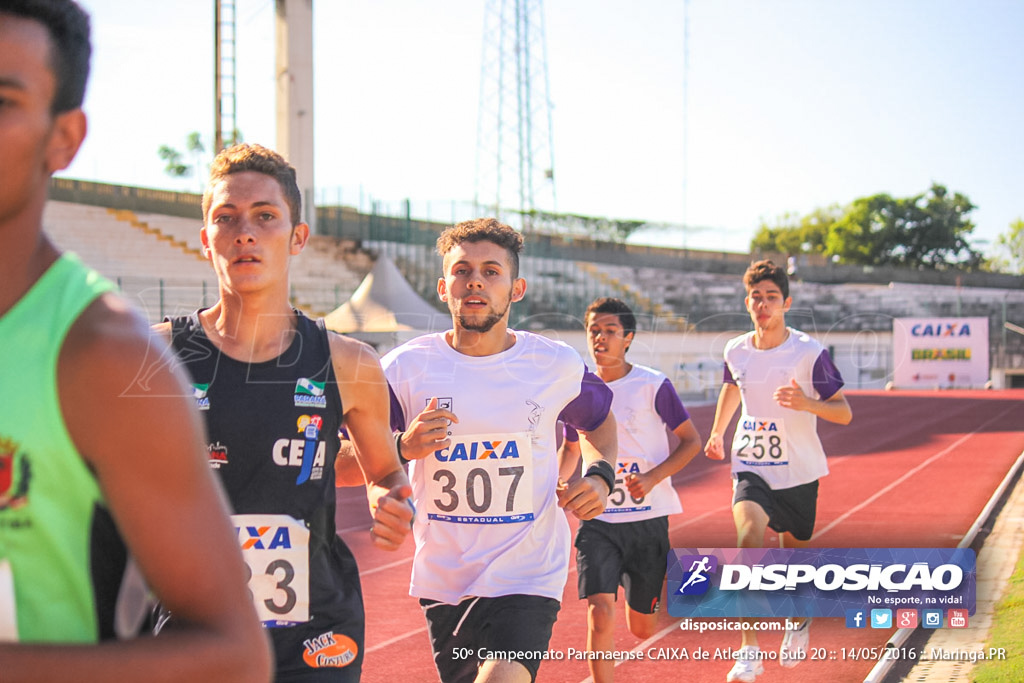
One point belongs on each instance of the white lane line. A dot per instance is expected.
(908, 474)
(384, 567)
(392, 641)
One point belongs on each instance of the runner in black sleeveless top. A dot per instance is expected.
(275, 388)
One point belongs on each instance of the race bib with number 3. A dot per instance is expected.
(481, 480)
(760, 442)
(276, 553)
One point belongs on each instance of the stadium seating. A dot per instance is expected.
(158, 263)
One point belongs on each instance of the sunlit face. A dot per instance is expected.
(34, 143)
(606, 339)
(248, 233)
(478, 285)
(766, 305)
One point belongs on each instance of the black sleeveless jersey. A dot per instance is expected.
(273, 438)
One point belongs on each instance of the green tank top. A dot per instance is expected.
(49, 500)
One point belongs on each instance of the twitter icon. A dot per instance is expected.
(881, 618)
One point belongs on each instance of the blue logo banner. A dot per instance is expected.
(818, 582)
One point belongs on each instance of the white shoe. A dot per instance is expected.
(794, 645)
(748, 665)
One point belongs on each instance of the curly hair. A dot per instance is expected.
(767, 270)
(483, 230)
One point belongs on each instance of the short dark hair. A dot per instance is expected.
(70, 49)
(257, 158)
(611, 305)
(766, 270)
(483, 230)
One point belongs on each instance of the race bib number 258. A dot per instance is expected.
(760, 442)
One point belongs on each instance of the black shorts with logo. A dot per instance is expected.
(793, 509)
(631, 554)
(513, 627)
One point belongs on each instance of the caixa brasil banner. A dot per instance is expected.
(817, 582)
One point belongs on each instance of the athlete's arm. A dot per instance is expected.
(568, 459)
(427, 432)
(364, 397)
(586, 498)
(728, 402)
(145, 445)
(833, 409)
(640, 485)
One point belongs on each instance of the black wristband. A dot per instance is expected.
(398, 447)
(603, 469)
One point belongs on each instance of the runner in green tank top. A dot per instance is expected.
(91, 454)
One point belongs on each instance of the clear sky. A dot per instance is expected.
(791, 104)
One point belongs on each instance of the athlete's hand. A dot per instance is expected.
(640, 485)
(792, 396)
(714, 448)
(586, 497)
(392, 516)
(428, 432)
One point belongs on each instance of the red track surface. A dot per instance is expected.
(914, 469)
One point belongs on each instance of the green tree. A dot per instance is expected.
(175, 165)
(795, 234)
(1009, 245)
(929, 230)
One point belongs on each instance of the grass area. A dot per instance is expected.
(1007, 632)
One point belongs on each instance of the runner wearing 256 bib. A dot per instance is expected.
(785, 381)
(477, 408)
(628, 544)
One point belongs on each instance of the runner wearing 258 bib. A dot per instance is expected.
(785, 381)
(628, 544)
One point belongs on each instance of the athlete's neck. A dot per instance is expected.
(471, 343)
(769, 338)
(249, 334)
(23, 262)
(610, 373)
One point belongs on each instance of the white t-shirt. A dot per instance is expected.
(779, 444)
(645, 405)
(488, 522)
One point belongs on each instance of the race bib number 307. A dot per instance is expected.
(481, 480)
(760, 442)
(276, 553)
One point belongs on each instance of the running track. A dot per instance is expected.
(913, 469)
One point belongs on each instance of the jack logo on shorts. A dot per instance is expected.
(697, 579)
(330, 649)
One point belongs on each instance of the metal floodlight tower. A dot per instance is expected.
(225, 28)
(515, 169)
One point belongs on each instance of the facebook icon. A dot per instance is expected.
(856, 618)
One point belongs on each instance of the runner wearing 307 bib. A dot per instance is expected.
(477, 408)
(628, 543)
(785, 381)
